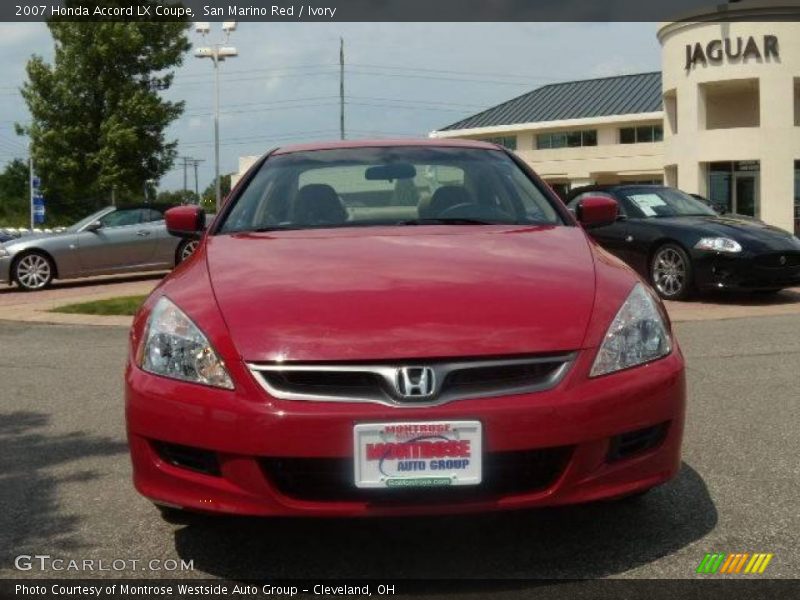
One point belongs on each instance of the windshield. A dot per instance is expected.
(665, 202)
(86, 220)
(415, 185)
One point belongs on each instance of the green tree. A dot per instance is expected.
(14, 194)
(208, 200)
(176, 197)
(98, 120)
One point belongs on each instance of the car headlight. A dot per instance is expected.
(174, 347)
(637, 335)
(719, 244)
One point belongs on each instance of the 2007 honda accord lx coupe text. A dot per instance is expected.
(389, 328)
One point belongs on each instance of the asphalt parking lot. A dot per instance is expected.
(65, 481)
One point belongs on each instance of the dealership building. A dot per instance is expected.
(721, 119)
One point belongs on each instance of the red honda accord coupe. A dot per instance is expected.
(396, 328)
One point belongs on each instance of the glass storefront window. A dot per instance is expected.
(566, 139)
(574, 139)
(627, 135)
(644, 134)
(641, 134)
(562, 189)
(507, 141)
(719, 187)
(735, 187)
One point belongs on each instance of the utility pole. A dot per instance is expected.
(146, 186)
(196, 162)
(341, 88)
(217, 53)
(186, 160)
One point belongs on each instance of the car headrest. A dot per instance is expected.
(319, 204)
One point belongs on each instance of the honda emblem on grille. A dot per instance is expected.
(782, 260)
(415, 382)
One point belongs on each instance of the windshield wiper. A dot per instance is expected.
(273, 228)
(449, 221)
(442, 221)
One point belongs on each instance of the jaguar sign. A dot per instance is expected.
(732, 49)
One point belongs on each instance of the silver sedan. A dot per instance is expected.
(111, 241)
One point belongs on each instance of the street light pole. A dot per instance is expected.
(341, 88)
(217, 53)
(30, 184)
(217, 186)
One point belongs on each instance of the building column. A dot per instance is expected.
(779, 142)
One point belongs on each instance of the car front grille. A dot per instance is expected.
(382, 382)
(332, 479)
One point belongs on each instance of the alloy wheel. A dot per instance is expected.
(669, 272)
(34, 271)
(188, 249)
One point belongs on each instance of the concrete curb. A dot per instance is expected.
(35, 307)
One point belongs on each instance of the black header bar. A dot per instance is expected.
(383, 10)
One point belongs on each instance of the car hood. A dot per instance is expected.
(413, 292)
(34, 237)
(749, 232)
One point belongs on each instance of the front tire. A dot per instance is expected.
(671, 272)
(185, 250)
(33, 271)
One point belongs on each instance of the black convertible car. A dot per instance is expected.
(681, 245)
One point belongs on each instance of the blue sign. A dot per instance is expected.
(38, 209)
(38, 201)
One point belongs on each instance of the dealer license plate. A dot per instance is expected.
(417, 454)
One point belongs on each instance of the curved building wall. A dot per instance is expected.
(732, 109)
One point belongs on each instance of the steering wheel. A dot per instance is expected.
(457, 210)
(470, 210)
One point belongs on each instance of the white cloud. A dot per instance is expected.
(17, 34)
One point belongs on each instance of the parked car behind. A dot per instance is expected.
(334, 349)
(681, 245)
(110, 241)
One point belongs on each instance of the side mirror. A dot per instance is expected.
(94, 226)
(596, 211)
(186, 221)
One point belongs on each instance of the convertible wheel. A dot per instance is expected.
(186, 249)
(34, 271)
(671, 272)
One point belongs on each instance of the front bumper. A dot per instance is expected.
(746, 271)
(294, 458)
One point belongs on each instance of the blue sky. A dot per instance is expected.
(402, 79)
